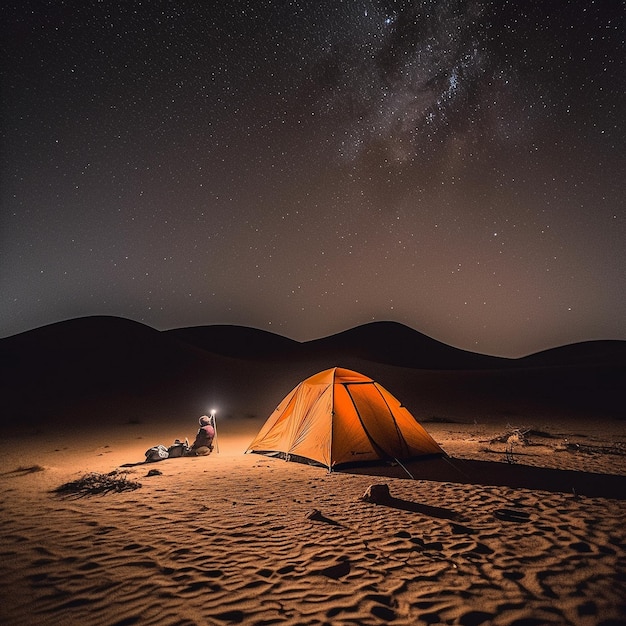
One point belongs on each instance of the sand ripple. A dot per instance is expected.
(245, 540)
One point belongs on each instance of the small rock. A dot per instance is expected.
(377, 493)
(315, 514)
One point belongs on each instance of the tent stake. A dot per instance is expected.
(404, 468)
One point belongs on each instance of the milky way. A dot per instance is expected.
(304, 167)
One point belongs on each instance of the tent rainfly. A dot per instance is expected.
(340, 416)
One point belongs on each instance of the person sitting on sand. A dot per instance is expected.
(203, 443)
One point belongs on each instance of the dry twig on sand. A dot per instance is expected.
(31, 469)
(513, 435)
(617, 449)
(521, 436)
(97, 484)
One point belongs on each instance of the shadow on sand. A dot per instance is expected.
(490, 473)
(379, 494)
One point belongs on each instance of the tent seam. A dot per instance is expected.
(375, 446)
(332, 421)
(399, 434)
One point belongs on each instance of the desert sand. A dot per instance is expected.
(246, 539)
(524, 523)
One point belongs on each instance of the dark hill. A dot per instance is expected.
(389, 343)
(107, 366)
(606, 353)
(110, 347)
(235, 341)
(95, 358)
(116, 369)
(380, 342)
(395, 344)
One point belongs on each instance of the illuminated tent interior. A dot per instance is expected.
(339, 416)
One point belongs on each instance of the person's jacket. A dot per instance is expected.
(204, 437)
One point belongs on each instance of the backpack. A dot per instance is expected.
(156, 453)
(178, 448)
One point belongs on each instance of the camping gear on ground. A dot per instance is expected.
(159, 453)
(156, 453)
(339, 416)
(177, 449)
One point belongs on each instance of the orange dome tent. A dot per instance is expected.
(339, 416)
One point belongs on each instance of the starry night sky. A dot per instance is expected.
(304, 167)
